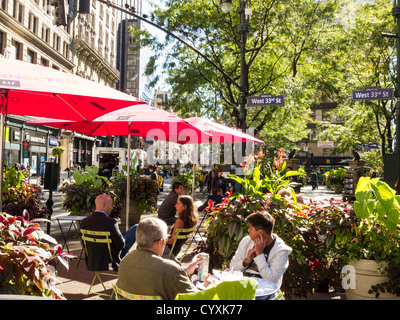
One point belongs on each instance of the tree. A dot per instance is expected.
(358, 57)
(283, 35)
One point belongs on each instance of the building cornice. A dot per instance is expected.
(34, 40)
(86, 52)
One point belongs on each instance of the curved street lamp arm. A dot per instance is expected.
(108, 3)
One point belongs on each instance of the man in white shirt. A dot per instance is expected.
(262, 253)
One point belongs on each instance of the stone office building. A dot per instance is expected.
(84, 44)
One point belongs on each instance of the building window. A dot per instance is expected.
(21, 13)
(65, 50)
(30, 56)
(326, 152)
(3, 4)
(44, 62)
(18, 11)
(56, 42)
(46, 34)
(101, 10)
(16, 50)
(3, 47)
(33, 23)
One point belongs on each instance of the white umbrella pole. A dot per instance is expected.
(128, 183)
(194, 177)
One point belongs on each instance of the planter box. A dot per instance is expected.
(367, 275)
(134, 217)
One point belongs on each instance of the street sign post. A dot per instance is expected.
(373, 94)
(266, 100)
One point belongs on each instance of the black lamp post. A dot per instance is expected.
(391, 162)
(243, 30)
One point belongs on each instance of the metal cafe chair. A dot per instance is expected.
(182, 234)
(98, 238)
(130, 296)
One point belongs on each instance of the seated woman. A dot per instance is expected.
(187, 218)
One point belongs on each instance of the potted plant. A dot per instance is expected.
(57, 152)
(26, 258)
(80, 196)
(186, 178)
(369, 239)
(335, 179)
(18, 195)
(309, 268)
(143, 195)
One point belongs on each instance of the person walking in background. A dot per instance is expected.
(313, 179)
(218, 181)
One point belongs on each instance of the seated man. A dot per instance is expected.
(167, 210)
(216, 198)
(101, 221)
(262, 253)
(145, 272)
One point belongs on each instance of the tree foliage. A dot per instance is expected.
(306, 50)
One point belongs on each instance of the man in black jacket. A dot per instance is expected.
(100, 220)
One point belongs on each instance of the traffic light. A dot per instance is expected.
(61, 12)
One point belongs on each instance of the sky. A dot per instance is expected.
(147, 52)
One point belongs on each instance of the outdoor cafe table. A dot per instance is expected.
(265, 288)
(73, 220)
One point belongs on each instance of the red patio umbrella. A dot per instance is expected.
(145, 121)
(219, 133)
(140, 120)
(33, 90)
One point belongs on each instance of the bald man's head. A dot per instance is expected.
(104, 203)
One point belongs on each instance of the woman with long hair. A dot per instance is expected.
(186, 218)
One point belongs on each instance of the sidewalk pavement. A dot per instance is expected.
(75, 282)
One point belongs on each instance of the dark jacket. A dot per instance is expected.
(218, 182)
(214, 198)
(98, 258)
(167, 209)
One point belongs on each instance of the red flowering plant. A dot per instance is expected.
(26, 258)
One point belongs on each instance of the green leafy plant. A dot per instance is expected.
(186, 178)
(25, 259)
(371, 231)
(80, 196)
(18, 195)
(57, 152)
(143, 191)
(275, 177)
(335, 177)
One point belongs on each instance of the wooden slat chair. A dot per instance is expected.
(99, 237)
(182, 234)
(130, 296)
